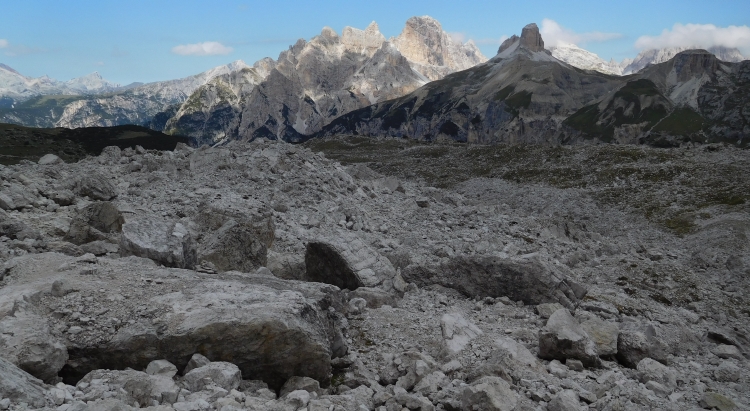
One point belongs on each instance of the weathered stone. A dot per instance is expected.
(346, 262)
(728, 351)
(196, 361)
(565, 400)
(94, 222)
(604, 334)
(524, 279)
(531, 38)
(27, 341)
(727, 372)
(457, 332)
(167, 243)
(270, 328)
(633, 346)
(300, 383)
(563, 338)
(234, 241)
(223, 374)
(715, 400)
(488, 393)
(651, 370)
(50, 159)
(134, 387)
(19, 386)
(95, 186)
(161, 367)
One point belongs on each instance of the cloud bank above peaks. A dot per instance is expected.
(207, 48)
(703, 35)
(554, 34)
(3, 43)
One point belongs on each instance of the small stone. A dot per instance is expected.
(161, 367)
(727, 372)
(75, 330)
(575, 365)
(657, 388)
(718, 401)
(423, 202)
(728, 351)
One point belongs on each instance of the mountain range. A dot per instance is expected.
(526, 95)
(361, 82)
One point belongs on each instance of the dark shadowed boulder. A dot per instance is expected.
(525, 279)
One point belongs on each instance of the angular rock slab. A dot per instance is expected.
(564, 338)
(457, 332)
(346, 262)
(270, 328)
(526, 279)
(167, 243)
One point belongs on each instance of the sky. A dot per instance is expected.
(153, 40)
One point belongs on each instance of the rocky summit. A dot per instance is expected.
(266, 276)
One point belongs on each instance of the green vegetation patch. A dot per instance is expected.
(683, 121)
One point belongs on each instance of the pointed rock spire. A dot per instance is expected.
(531, 39)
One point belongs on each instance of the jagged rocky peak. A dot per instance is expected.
(432, 52)
(366, 41)
(507, 43)
(531, 38)
(692, 63)
(421, 41)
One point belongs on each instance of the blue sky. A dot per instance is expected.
(136, 40)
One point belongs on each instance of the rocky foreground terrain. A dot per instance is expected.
(270, 276)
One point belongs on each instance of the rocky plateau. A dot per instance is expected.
(358, 274)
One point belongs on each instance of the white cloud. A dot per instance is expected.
(554, 34)
(3, 43)
(208, 48)
(702, 35)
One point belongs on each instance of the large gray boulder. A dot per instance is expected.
(563, 338)
(234, 241)
(271, 329)
(346, 261)
(523, 279)
(94, 222)
(96, 186)
(165, 242)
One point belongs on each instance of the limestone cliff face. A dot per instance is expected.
(316, 81)
(432, 51)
